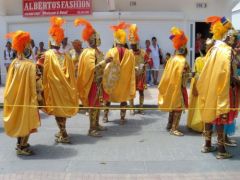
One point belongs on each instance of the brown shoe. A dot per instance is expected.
(24, 152)
(176, 133)
(94, 133)
(206, 149)
(225, 155)
(63, 140)
(230, 144)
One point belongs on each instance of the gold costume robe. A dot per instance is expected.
(214, 83)
(59, 84)
(170, 95)
(140, 69)
(87, 71)
(125, 88)
(194, 118)
(20, 89)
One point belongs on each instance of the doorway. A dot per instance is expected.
(202, 32)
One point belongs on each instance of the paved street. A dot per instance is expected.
(142, 149)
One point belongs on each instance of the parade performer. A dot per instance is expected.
(141, 61)
(173, 96)
(75, 53)
(21, 117)
(119, 78)
(229, 129)
(194, 121)
(59, 83)
(217, 87)
(90, 73)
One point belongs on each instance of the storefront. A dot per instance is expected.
(154, 18)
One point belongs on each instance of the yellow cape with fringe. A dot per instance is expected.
(214, 83)
(194, 117)
(170, 86)
(59, 85)
(125, 88)
(85, 74)
(20, 89)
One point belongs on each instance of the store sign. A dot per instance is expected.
(36, 8)
(201, 5)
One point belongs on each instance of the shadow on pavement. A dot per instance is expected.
(114, 130)
(188, 132)
(84, 139)
(155, 112)
(132, 126)
(1, 130)
(51, 152)
(235, 150)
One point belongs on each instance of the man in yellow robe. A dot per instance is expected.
(141, 60)
(215, 84)
(59, 83)
(90, 73)
(120, 85)
(194, 121)
(20, 115)
(172, 96)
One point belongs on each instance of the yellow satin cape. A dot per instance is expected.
(194, 117)
(85, 74)
(125, 88)
(59, 86)
(21, 90)
(170, 86)
(214, 83)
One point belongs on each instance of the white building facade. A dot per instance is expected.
(153, 17)
(236, 16)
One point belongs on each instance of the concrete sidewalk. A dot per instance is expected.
(142, 149)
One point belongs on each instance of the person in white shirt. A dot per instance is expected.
(157, 58)
(34, 51)
(65, 48)
(9, 55)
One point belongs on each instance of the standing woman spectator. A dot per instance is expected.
(198, 45)
(150, 65)
(157, 60)
(9, 55)
(66, 47)
(34, 51)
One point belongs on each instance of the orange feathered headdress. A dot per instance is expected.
(119, 33)
(56, 31)
(219, 26)
(133, 34)
(88, 31)
(20, 40)
(213, 19)
(178, 38)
